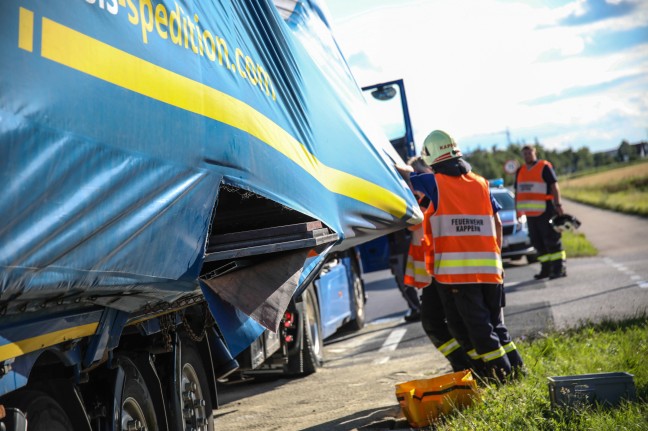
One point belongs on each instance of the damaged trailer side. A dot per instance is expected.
(168, 168)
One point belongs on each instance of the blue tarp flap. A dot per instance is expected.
(119, 120)
(239, 329)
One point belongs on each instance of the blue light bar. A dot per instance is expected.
(497, 182)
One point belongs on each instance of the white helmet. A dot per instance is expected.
(438, 147)
(565, 222)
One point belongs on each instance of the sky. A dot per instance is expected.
(569, 74)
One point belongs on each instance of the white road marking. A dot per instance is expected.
(357, 341)
(390, 344)
(386, 320)
(624, 269)
(392, 340)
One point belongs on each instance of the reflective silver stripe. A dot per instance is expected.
(468, 263)
(416, 270)
(491, 356)
(532, 187)
(538, 205)
(462, 225)
(559, 255)
(509, 347)
(473, 354)
(449, 347)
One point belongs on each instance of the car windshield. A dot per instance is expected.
(505, 200)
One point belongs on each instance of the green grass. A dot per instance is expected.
(626, 201)
(623, 189)
(525, 404)
(576, 245)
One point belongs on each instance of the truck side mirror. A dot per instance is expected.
(384, 93)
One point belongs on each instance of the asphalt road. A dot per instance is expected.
(612, 285)
(355, 387)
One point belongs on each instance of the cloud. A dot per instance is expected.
(586, 90)
(557, 70)
(598, 43)
(589, 11)
(615, 41)
(361, 60)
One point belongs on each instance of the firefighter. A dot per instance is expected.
(466, 233)
(415, 273)
(418, 274)
(538, 197)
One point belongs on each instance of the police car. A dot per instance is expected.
(515, 238)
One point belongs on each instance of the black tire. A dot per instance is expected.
(532, 258)
(136, 403)
(309, 353)
(195, 409)
(313, 347)
(43, 412)
(358, 300)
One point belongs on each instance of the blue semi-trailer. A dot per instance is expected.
(173, 174)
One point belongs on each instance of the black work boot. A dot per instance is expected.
(498, 370)
(544, 271)
(413, 315)
(558, 269)
(517, 365)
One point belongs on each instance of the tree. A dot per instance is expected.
(602, 159)
(490, 162)
(584, 159)
(624, 153)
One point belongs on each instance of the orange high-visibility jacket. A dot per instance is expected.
(428, 239)
(531, 194)
(416, 274)
(463, 232)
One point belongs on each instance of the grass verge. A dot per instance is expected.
(525, 405)
(576, 245)
(622, 189)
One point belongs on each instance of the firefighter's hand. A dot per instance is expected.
(404, 170)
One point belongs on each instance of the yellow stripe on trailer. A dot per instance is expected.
(95, 58)
(29, 345)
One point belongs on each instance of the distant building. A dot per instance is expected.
(641, 149)
(636, 151)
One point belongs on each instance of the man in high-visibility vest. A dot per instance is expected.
(420, 264)
(416, 274)
(466, 234)
(537, 196)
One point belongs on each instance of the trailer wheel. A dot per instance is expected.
(358, 300)
(137, 409)
(42, 411)
(195, 400)
(308, 355)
